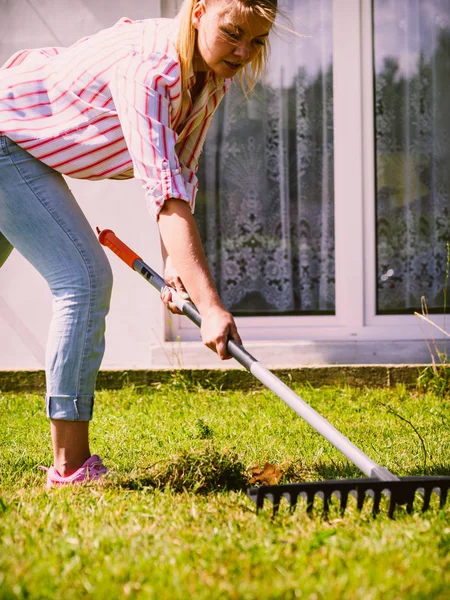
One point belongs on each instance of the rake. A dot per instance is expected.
(401, 491)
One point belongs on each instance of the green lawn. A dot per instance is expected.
(173, 520)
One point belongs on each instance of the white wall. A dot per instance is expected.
(136, 318)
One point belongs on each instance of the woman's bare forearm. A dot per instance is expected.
(163, 252)
(181, 241)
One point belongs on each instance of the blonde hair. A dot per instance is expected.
(187, 35)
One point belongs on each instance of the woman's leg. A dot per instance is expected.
(70, 438)
(40, 217)
(70, 441)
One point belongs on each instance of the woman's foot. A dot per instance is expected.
(91, 470)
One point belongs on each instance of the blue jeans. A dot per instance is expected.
(40, 218)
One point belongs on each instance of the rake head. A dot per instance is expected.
(401, 492)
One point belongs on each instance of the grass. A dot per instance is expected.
(436, 377)
(174, 522)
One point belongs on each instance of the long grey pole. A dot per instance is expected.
(266, 377)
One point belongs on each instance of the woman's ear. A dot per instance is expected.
(198, 12)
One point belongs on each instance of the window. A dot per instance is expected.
(265, 207)
(412, 133)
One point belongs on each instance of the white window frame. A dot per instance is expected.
(354, 177)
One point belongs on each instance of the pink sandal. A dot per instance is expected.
(92, 469)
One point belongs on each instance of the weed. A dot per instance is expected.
(436, 377)
(204, 431)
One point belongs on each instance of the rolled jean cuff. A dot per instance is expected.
(70, 408)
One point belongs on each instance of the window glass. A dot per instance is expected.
(412, 123)
(265, 206)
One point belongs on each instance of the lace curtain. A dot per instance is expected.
(265, 207)
(412, 118)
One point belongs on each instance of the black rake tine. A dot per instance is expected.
(426, 499)
(409, 506)
(392, 506)
(260, 500)
(376, 502)
(276, 503)
(293, 497)
(360, 499)
(344, 500)
(444, 491)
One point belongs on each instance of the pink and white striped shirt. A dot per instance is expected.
(111, 106)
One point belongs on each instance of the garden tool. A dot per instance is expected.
(379, 481)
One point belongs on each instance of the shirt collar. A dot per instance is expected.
(212, 80)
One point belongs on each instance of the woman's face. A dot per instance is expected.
(226, 44)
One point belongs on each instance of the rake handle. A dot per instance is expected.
(302, 408)
(109, 239)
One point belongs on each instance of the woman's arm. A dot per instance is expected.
(172, 278)
(181, 240)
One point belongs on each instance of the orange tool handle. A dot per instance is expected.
(108, 238)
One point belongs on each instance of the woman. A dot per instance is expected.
(133, 100)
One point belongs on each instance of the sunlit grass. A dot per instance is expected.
(173, 520)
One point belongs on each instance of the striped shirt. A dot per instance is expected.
(111, 107)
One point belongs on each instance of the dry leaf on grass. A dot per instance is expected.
(268, 475)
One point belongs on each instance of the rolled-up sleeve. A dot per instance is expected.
(141, 93)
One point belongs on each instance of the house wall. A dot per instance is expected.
(135, 322)
(138, 326)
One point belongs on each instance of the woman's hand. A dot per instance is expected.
(181, 241)
(173, 280)
(218, 326)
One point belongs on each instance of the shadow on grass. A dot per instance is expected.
(211, 470)
(435, 470)
(330, 471)
(327, 471)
